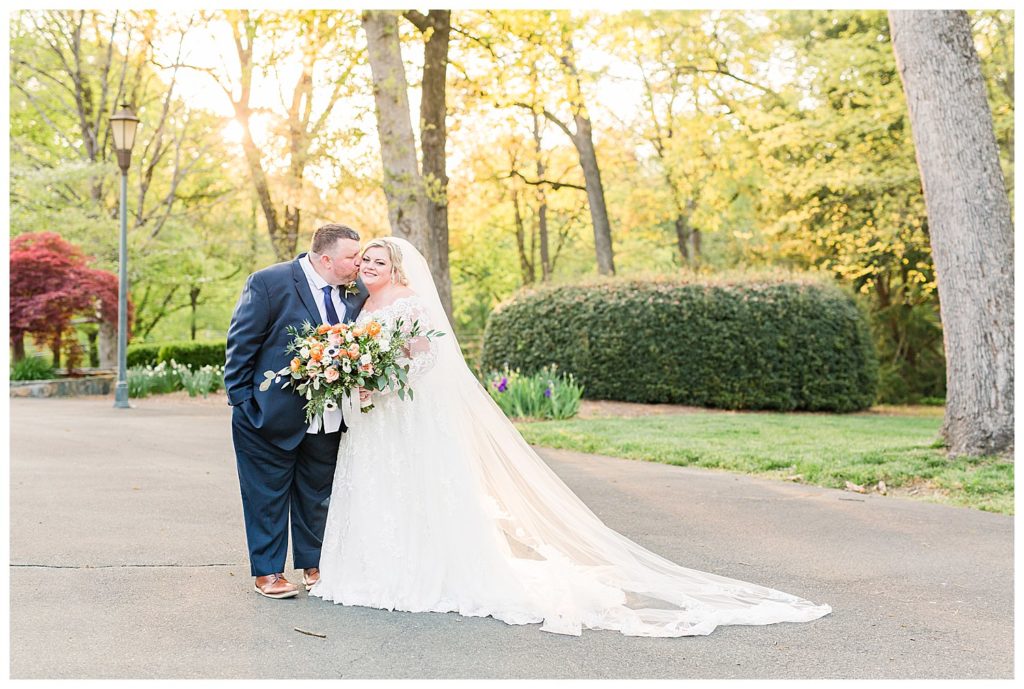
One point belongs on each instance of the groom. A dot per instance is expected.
(286, 466)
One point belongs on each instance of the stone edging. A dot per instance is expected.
(99, 384)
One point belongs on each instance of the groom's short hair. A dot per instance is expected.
(326, 235)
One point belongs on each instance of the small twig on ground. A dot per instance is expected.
(303, 631)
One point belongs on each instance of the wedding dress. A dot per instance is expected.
(439, 504)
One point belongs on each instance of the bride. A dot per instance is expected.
(440, 505)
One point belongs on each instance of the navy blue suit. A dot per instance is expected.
(282, 469)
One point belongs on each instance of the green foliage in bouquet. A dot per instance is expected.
(785, 344)
(332, 361)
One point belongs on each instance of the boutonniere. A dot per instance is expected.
(351, 289)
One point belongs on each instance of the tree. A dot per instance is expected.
(318, 38)
(577, 126)
(51, 283)
(417, 202)
(68, 71)
(435, 27)
(969, 221)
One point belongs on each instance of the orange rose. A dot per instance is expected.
(373, 328)
(336, 329)
(358, 331)
(316, 354)
(323, 329)
(295, 365)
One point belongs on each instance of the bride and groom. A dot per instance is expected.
(434, 503)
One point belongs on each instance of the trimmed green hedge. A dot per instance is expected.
(143, 354)
(192, 354)
(785, 344)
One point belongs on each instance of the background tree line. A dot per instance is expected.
(515, 147)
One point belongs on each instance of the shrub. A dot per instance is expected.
(195, 354)
(544, 395)
(768, 343)
(143, 354)
(32, 368)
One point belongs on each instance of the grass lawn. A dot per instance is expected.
(900, 447)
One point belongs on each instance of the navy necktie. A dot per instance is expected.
(332, 315)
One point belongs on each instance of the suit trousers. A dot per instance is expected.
(276, 484)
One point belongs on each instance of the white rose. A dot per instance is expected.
(365, 359)
(304, 352)
(348, 336)
(385, 344)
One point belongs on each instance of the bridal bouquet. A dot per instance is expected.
(331, 361)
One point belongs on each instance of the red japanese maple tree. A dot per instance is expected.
(51, 284)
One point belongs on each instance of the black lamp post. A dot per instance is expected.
(123, 123)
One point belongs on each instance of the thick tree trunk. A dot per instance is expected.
(108, 344)
(433, 134)
(968, 220)
(403, 184)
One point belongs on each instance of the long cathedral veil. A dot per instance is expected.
(606, 580)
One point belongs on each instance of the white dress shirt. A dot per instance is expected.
(331, 419)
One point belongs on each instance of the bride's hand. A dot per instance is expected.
(364, 394)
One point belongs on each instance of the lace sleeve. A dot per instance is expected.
(421, 353)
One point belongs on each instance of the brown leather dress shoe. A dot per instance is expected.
(310, 576)
(275, 586)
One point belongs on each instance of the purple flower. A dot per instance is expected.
(503, 385)
(547, 393)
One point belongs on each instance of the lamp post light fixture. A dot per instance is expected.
(123, 124)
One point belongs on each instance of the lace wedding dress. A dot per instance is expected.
(439, 505)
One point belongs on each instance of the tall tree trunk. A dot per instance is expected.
(595, 195)
(403, 185)
(525, 266)
(108, 344)
(436, 29)
(968, 220)
(583, 139)
(542, 200)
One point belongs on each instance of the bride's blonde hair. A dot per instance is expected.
(395, 255)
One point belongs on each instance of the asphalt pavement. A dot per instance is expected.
(128, 560)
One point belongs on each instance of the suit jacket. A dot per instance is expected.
(272, 299)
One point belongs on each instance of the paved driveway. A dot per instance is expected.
(128, 560)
